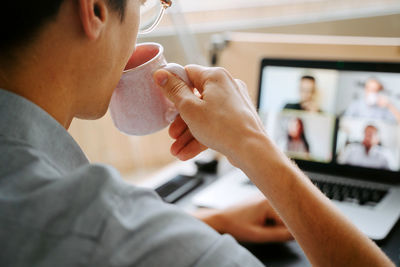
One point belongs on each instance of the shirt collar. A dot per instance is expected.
(24, 121)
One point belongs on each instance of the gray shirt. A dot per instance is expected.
(355, 154)
(360, 109)
(57, 209)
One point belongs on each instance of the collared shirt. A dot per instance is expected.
(57, 209)
(355, 154)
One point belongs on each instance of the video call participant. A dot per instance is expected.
(307, 92)
(63, 59)
(368, 154)
(296, 138)
(373, 104)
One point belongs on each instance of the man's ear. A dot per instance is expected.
(93, 14)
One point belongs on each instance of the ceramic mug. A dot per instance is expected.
(138, 106)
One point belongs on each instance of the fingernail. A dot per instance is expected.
(161, 78)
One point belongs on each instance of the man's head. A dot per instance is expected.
(372, 89)
(372, 85)
(371, 136)
(76, 49)
(307, 88)
(28, 17)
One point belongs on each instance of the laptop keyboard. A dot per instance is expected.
(351, 193)
(361, 195)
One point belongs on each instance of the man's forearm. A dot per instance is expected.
(325, 235)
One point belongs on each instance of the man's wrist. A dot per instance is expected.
(251, 148)
(213, 218)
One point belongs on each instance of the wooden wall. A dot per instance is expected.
(244, 52)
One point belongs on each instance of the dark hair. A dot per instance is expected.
(302, 135)
(20, 20)
(308, 77)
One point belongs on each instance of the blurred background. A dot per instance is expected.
(195, 31)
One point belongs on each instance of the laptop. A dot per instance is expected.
(340, 122)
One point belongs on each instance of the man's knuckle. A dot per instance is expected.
(216, 73)
(221, 70)
(176, 88)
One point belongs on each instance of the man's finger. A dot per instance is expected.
(271, 234)
(174, 88)
(190, 150)
(198, 75)
(181, 141)
(177, 127)
(272, 214)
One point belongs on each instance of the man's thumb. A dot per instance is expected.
(173, 87)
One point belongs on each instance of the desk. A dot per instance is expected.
(286, 254)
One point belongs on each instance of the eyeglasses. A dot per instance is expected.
(151, 13)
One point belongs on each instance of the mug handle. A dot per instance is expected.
(178, 71)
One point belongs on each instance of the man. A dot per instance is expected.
(62, 61)
(373, 104)
(59, 210)
(307, 91)
(368, 153)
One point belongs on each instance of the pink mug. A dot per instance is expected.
(138, 107)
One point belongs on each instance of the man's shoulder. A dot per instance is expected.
(379, 151)
(355, 147)
(94, 215)
(18, 158)
(92, 211)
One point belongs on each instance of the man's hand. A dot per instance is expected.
(383, 101)
(254, 221)
(218, 119)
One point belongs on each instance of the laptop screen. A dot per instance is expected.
(342, 114)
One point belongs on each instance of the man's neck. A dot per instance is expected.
(367, 149)
(40, 84)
